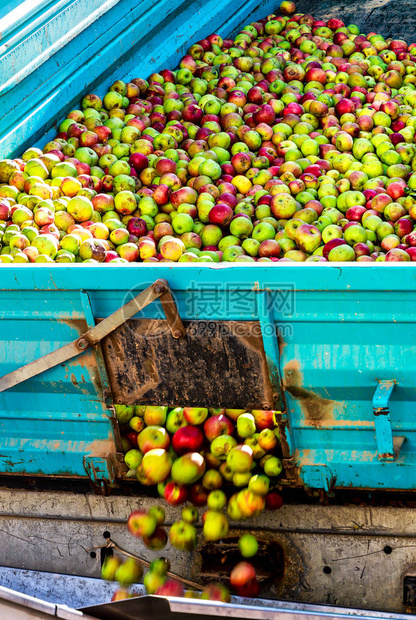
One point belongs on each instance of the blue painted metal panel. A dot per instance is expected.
(342, 330)
(382, 420)
(50, 425)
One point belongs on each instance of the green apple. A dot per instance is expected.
(159, 514)
(226, 472)
(160, 566)
(155, 467)
(133, 458)
(183, 536)
(190, 514)
(155, 416)
(137, 424)
(240, 458)
(216, 500)
(188, 468)
(248, 545)
(195, 415)
(215, 526)
(253, 442)
(153, 437)
(246, 425)
(241, 479)
(109, 567)
(221, 445)
(153, 581)
(259, 484)
(233, 509)
(273, 465)
(129, 572)
(175, 420)
(212, 480)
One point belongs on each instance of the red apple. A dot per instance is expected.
(140, 523)
(175, 494)
(264, 419)
(198, 495)
(157, 541)
(187, 439)
(243, 579)
(171, 588)
(274, 500)
(218, 425)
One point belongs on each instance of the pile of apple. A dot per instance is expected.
(293, 142)
(225, 461)
(191, 453)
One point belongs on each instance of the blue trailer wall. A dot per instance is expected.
(346, 354)
(342, 331)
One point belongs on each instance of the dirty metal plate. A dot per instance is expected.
(141, 608)
(160, 608)
(217, 363)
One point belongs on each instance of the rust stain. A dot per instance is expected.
(331, 423)
(281, 344)
(101, 447)
(315, 408)
(86, 359)
(306, 457)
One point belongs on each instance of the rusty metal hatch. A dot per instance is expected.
(222, 363)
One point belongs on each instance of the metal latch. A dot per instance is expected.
(388, 447)
(317, 477)
(100, 469)
(158, 290)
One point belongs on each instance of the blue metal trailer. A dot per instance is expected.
(333, 377)
(330, 347)
(338, 343)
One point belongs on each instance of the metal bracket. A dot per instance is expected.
(317, 477)
(100, 469)
(158, 290)
(388, 447)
